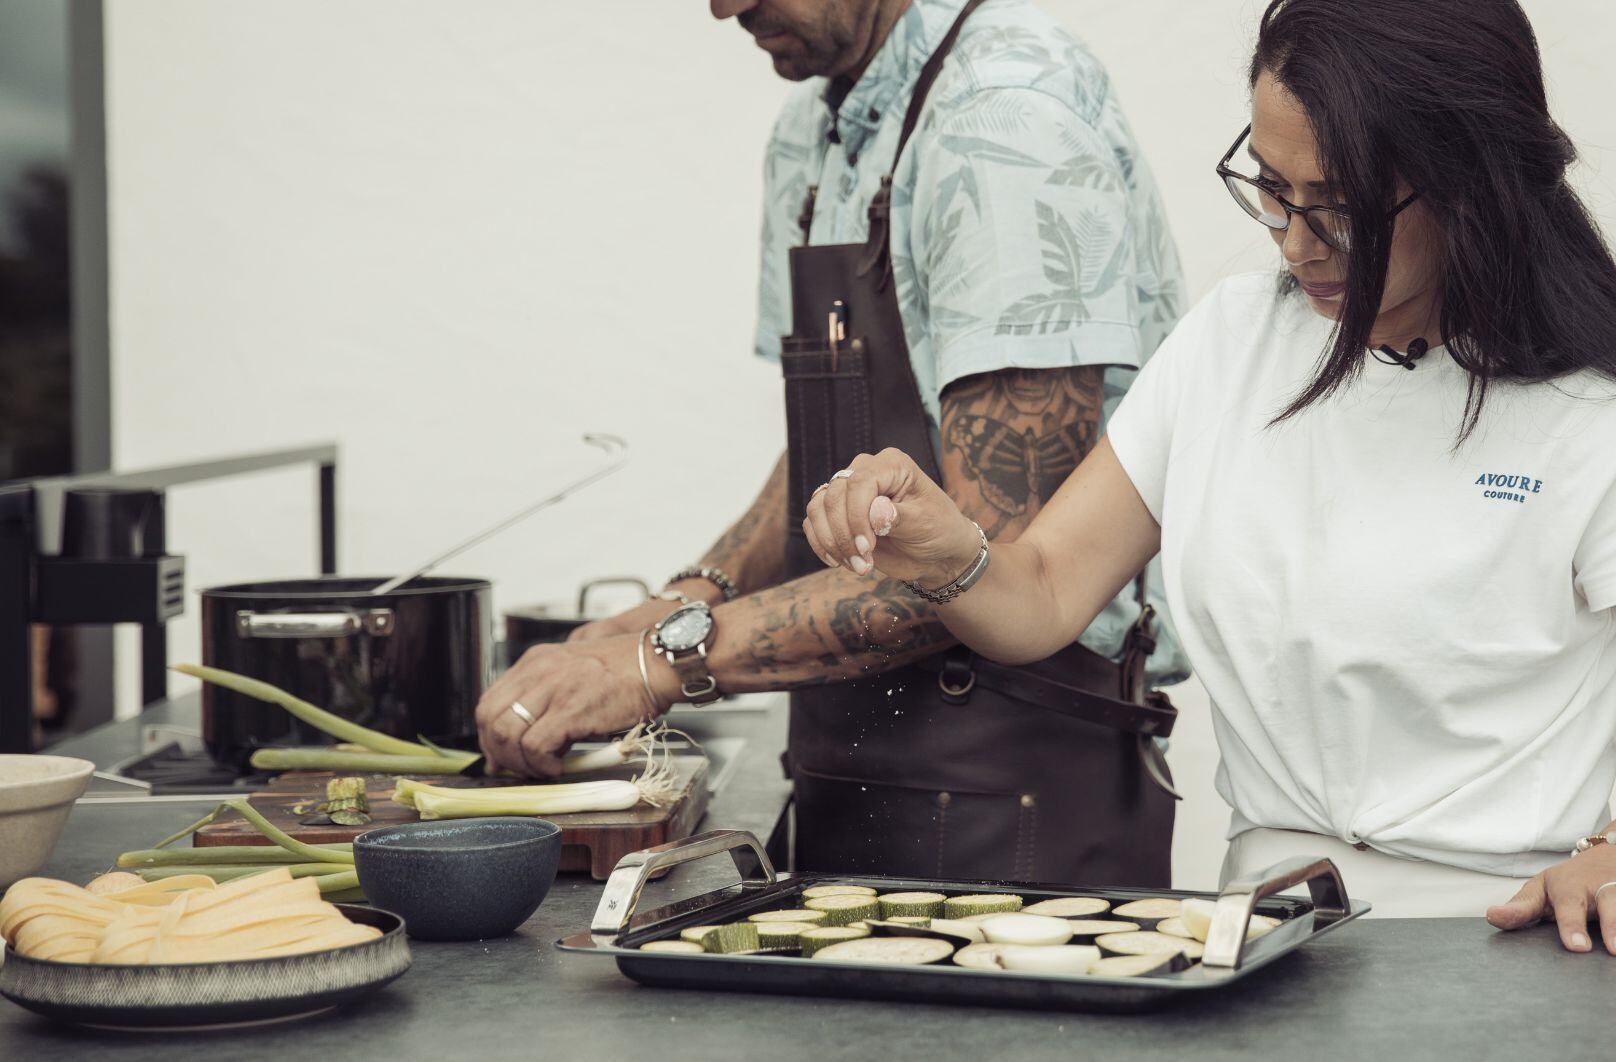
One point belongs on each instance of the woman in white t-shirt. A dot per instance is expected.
(1381, 484)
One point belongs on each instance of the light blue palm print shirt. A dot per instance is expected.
(1026, 229)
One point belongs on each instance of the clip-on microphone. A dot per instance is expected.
(1416, 351)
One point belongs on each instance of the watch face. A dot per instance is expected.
(685, 628)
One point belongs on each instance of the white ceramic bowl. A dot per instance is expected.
(36, 794)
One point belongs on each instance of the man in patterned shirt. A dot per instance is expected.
(1018, 273)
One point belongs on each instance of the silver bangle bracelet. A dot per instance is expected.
(964, 582)
(715, 576)
(645, 675)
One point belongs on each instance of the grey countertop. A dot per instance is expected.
(1393, 990)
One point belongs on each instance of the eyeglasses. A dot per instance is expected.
(1258, 198)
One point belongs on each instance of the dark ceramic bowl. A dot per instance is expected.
(459, 879)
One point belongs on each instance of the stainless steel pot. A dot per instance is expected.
(530, 625)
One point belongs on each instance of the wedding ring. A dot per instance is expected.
(1602, 888)
(522, 713)
(846, 473)
(817, 489)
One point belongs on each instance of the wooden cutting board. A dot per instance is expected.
(592, 841)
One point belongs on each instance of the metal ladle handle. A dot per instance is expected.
(614, 445)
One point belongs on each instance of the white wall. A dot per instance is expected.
(454, 237)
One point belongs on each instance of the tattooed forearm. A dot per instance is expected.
(1010, 439)
(822, 628)
(752, 552)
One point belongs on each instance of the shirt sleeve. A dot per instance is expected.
(1144, 428)
(1022, 239)
(1594, 564)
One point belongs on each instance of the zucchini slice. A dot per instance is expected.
(1148, 912)
(959, 937)
(1029, 929)
(911, 904)
(1174, 927)
(1065, 960)
(888, 951)
(1146, 942)
(1139, 965)
(781, 936)
(695, 934)
(980, 956)
(1070, 907)
(840, 910)
(676, 947)
(1084, 930)
(909, 921)
(989, 903)
(795, 915)
(814, 892)
(820, 937)
(727, 940)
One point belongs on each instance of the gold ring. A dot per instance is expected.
(522, 713)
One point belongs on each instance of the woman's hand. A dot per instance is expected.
(887, 514)
(1569, 893)
(572, 692)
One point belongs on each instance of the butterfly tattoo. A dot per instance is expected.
(1015, 467)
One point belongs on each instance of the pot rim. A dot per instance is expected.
(310, 588)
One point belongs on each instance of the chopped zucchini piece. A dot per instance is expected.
(795, 915)
(677, 947)
(695, 933)
(824, 936)
(841, 910)
(814, 892)
(784, 936)
(911, 904)
(980, 956)
(733, 938)
(980, 904)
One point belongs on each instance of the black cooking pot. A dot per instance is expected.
(411, 663)
(530, 625)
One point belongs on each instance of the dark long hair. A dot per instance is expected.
(1448, 95)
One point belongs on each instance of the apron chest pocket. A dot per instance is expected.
(827, 411)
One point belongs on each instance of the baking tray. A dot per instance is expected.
(619, 929)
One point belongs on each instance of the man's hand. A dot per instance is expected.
(573, 692)
(1569, 892)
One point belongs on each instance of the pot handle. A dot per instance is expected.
(1226, 940)
(613, 580)
(313, 624)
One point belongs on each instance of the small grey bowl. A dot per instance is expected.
(459, 879)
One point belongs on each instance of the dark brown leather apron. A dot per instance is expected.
(954, 767)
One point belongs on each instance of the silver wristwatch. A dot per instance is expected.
(681, 639)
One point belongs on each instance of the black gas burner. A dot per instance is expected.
(175, 771)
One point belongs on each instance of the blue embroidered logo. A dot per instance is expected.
(1508, 488)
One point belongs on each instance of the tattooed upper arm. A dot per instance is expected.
(1010, 438)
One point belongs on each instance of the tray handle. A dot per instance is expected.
(1226, 940)
(628, 878)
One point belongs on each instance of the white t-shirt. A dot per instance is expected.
(1405, 643)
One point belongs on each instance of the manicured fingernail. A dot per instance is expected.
(858, 564)
(862, 544)
(1578, 940)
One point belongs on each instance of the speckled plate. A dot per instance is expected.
(209, 995)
